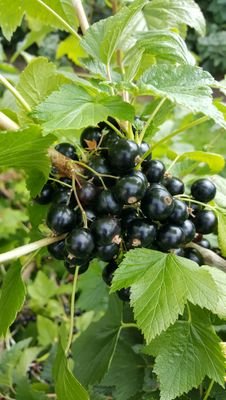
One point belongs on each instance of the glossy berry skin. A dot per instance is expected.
(65, 197)
(203, 190)
(195, 208)
(106, 230)
(80, 243)
(61, 219)
(72, 264)
(57, 250)
(100, 165)
(123, 155)
(205, 222)
(124, 294)
(87, 193)
(204, 243)
(46, 194)
(157, 204)
(173, 185)
(127, 216)
(130, 189)
(154, 171)
(90, 137)
(108, 272)
(179, 213)
(109, 140)
(170, 237)
(141, 234)
(107, 252)
(144, 147)
(107, 204)
(189, 230)
(67, 150)
(193, 255)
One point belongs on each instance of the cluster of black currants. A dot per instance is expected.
(125, 201)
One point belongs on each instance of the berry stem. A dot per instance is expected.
(84, 216)
(72, 311)
(60, 19)
(7, 124)
(125, 325)
(209, 390)
(60, 182)
(189, 313)
(150, 119)
(180, 130)
(83, 21)
(173, 163)
(97, 173)
(28, 248)
(189, 199)
(15, 93)
(115, 129)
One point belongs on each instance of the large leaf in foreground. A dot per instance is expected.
(186, 353)
(161, 284)
(73, 107)
(186, 85)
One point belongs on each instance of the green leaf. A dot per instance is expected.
(220, 183)
(127, 368)
(24, 362)
(71, 47)
(12, 297)
(215, 162)
(173, 13)
(94, 349)
(220, 281)
(162, 115)
(186, 353)
(10, 221)
(66, 385)
(221, 216)
(25, 391)
(47, 331)
(94, 295)
(27, 149)
(185, 85)
(161, 284)
(42, 289)
(32, 37)
(104, 37)
(73, 107)
(12, 16)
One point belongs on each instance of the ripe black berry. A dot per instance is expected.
(46, 194)
(127, 216)
(57, 250)
(109, 140)
(157, 204)
(108, 272)
(204, 243)
(61, 219)
(106, 230)
(64, 197)
(87, 193)
(174, 185)
(144, 147)
(107, 204)
(71, 265)
(141, 234)
(170, 237)
(203, 190)
(124, 294)
(179, 213)
(189, 231)
(130, 189)
(205, 222)
(80, 243)
(194, 255)
(154, 171)
(123, 155)
(107, 252)
(90, 137)
(67, 150)
(100, 165)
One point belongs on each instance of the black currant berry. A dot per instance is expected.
(87, 193)
(90, 215)
(108, 272)
(61, 219)
(107, 252)
(123, 155)
(124, 294)
(179, 213)
(109, 140)
(130, 189)
(141, 234)
(46, 194)
(100, 165)
(64, 197)
(106, 230)
(205, 222)
(189, 231)
(80, 243)
(143, 148)
(90, 138)
(173, 185)
(204, 243)
(154, 171)
(194, 209)
(107, 204)
(57, 250)
(170, 237)
(194, 255)
(157, 204)
(71, 265)
(203, 190)
(67, 150)
(179, 252)
(127, 216)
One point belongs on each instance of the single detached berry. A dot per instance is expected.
(173, 185)
(61, 219)
(67, 150)
(205, 222)
(203, 190)
(57, 249)
(194, 255)
(170, 237)
(189, 230)
(123, 155)
(80, 243)
(154, 171)
(46, 194)
(90, 138)
(157, 204)
(179, 213)
(106, 230)
(130, 189)
(141, 234)
(107, 204)
(107, 252)
(108, 272)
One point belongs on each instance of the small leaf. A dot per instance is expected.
(47, 331)
(215, 162)
(10, 221)
(12, 16)
(42, 289)
(12, 297)
(71, 47)
(25, 391)
(66, 385)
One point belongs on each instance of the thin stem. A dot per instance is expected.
(60, 182)
(83, 21)
(189, 313)
(189, 199)
(64, 23)
(173, 163)
(150, 119)
(96, 173)
(72, 313)
(7, 124)
(180, 130)
(115, 129)
(128, 325)
(108, 68)
(84, 216)
(209, 390)
(15, 93)
(28, 248)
